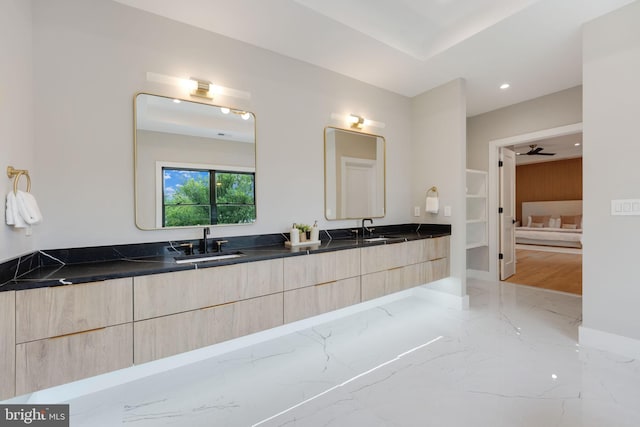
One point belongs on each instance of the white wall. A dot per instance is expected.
(92, 56)
(16, 115)
(611, 284)
(546, 112)
(439, 157)
(549, 111)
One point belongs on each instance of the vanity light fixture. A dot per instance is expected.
(197, 87)
(356, 122)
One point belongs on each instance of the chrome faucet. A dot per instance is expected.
(364, 228)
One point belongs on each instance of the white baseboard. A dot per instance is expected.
(613, 343)
(442, 298)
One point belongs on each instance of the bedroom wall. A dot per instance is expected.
(610, 158)
(548, 181)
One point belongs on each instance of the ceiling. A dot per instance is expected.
(411, 46)
(563, 147)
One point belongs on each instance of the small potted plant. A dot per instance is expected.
(304, 230)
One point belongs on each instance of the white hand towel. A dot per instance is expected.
(28, 208)
(13, 216)
(432, 205)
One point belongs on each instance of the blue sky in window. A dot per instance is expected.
(175, 178)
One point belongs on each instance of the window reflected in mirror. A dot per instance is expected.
(194, 164)
(354, 174)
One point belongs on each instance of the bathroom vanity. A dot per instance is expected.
(150, 308)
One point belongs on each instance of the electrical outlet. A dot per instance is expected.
(416, 211)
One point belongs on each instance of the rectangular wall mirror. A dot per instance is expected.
(354, 174)
(194, 164)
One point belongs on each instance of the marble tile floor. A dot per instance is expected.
(512, 359)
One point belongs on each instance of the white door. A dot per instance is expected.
(507, 217)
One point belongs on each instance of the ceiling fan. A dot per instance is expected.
(535, 150)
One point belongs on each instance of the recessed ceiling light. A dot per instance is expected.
(504, 86)
(517, 154)
(577, 144)
(177, 101)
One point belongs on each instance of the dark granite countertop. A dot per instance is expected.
(81, 265)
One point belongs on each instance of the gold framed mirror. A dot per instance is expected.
(354, 171)
(194, 163)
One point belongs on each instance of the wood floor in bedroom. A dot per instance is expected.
(549, 270)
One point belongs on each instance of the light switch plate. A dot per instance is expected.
(625, 207)
(416, 211)
(447, 211)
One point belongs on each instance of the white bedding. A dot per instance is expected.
(549, 236)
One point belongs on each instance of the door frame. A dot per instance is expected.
(494, 145)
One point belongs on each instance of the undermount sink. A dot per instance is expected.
(376, 239)
(207, 257)
(382, 239)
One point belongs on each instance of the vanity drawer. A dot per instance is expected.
(309, 270)
(169, 293)
(313, 300)
(61, 310)
(384, 257)
(53, 361)
(177, 333)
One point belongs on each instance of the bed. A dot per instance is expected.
(557, 223)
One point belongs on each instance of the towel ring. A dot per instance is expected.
(16, 174)
(433, 189)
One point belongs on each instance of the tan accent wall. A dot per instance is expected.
(548, 181)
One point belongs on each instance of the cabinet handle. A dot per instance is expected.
(76, 333)
(324, 284)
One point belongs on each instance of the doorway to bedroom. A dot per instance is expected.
(548, 213)
(552, 263)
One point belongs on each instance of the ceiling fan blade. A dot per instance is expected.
(546, 154)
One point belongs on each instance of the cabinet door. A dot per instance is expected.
(308, 270)
(313, 300)
(169, 293)
(383, 257)
(347, 263)
(374, 285)
(438, 247)
(7, 344)
(169, 335)
(53, 311)
(53, 361)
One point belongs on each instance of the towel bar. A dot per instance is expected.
(433, 189)
(16, 174)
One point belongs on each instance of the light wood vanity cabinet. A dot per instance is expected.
(66, 333)
(55, 335)
(7, 344)
(318, 283)
(408, 264)
(181, 311)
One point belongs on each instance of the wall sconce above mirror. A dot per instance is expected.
(354, 171)
(194, 163)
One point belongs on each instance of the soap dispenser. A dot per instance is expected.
(294, 235)
(315, 232)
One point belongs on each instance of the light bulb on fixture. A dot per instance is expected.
(245, 116)
(225, 110)
(197, 87)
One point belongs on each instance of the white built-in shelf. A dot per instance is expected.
(477, 209)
